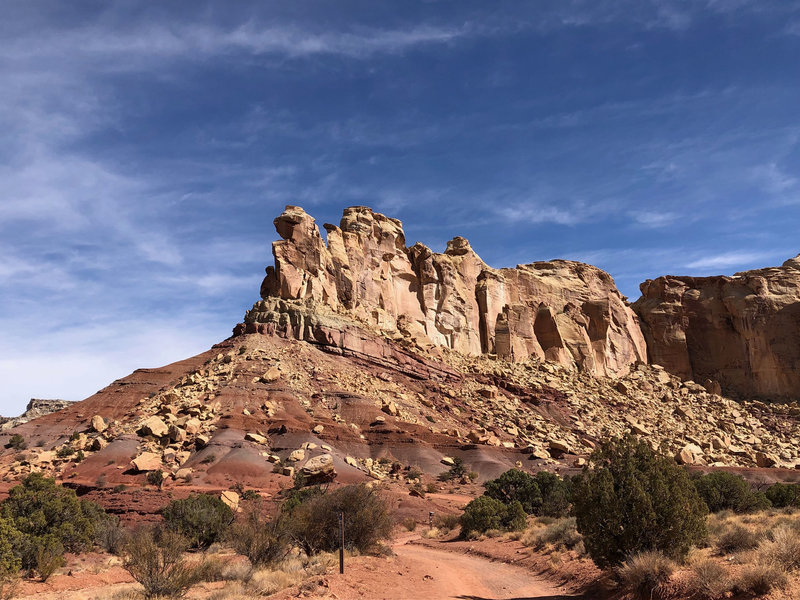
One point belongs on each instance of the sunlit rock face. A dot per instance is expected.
(561, 311)
(741, 332)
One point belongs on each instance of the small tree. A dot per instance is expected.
(631, 500)
(516, 485)
(721, 490)
(314, 523)
(556, 494)
(154, 558)
(38, 508)
(485, 513)
(782, 495)
(201, 518)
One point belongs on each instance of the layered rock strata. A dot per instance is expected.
(561, 311)
(740, 332)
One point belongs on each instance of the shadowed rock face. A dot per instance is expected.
(562, 311)
(739, 331)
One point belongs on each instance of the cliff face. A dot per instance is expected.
(740, 331)
(562, 311)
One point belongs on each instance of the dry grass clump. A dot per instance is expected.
(780, 548)
(432, 533)
(758, 579)
(646, 574)
(560, 534)
(710, 580)
(735, 538)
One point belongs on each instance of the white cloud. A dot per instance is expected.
(728, 259)
(654, 219)
(535, 213)
(773, 179)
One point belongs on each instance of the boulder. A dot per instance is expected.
(99, 424)
(154, 426)
(272, 374)
(230, 498)
(255, 437)
(147, 461)
(297, 455)
(319, 469)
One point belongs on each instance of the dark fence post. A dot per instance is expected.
(341, 544)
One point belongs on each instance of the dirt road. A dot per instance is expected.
(423, 572)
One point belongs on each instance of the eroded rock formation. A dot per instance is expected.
(562, 311)
(740, 331)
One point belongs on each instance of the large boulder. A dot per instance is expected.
(319, 469)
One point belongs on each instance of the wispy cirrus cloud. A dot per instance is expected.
(726, 260)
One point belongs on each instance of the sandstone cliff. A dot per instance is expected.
(561, 311)
(740, 331)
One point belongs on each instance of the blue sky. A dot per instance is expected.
(146, 148)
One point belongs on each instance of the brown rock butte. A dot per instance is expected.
(561, 311)
(741, 331)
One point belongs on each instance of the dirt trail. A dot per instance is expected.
(423, 572)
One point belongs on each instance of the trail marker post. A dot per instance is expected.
(341, 543)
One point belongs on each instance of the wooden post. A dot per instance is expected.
(341, 545)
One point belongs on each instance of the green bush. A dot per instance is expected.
(49, 556)
(9, 560)
(17, 442)
(313, 523)
(485, 513)
(544, 494)
(516, 485)
(39, 508)
(631, 499)
(782, 495)
(556, 494)
(721, 490)
(457, 471)
(201, 518)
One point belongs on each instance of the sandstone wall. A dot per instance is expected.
(740, 331)
(562, 311)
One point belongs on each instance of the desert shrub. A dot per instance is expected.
(516, 485)
(155, 478)
(781, 547)
(710, 580)
(646, 573)
(65, 451)
(201, 518)
(410, 524)
(759, 579)
(313, 523)
(38, 508)
(562, 533)
(632, 500)
(17, 442)
(456, 471)
(110, 535)
(485, 513)
(446, 523)
(154, 558)
(721, 490)
(49, 556)
(782, 495)
(262, 541)
(736, 538)
(9, 560)
(556, 493)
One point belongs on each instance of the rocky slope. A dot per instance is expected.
(739, 332)
(562, 311)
